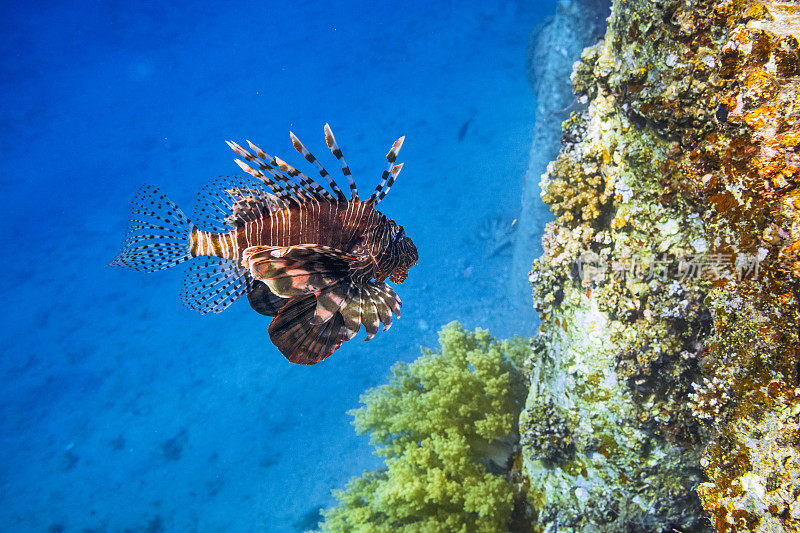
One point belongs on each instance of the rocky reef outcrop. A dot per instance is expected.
(553, 47)
(664, 380)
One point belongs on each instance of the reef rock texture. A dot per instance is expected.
(664, 381)
(552, 49)
(744, 164)
(609, 440)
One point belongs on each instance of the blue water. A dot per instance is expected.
(120, 410)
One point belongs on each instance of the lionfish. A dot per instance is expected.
(313, 259)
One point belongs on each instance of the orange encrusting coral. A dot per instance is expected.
(690, 144)
(748, 171)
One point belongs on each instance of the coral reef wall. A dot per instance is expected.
(663, 384)
(552, 49)
(744, 164)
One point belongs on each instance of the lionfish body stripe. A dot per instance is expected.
(316, 261)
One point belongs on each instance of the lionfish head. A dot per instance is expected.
(398, 256)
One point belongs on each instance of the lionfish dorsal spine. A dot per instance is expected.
(312, 187)
(283, 195)
(393, 176)
(292, 192)
(333, 146)
(389, 175)
(300, 147)
(306, 188)
(268, 163)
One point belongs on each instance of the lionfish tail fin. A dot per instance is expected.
(158, 233)
(389, 175)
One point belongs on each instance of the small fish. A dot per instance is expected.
(462, 132)
(314, 260)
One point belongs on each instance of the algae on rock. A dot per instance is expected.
(664, 383)
(669, 282)
(608, 440)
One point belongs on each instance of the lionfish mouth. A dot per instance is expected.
(411, 257)
(399, 275)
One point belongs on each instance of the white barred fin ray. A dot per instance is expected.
(333, 146)
(388, 175)
(300, 147)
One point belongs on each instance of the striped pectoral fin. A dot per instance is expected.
(351, 311)
(296, 270)
(330, 300)
(368, 304)
(369, 313)
(299, 340)
(386, 303)
(309, 328)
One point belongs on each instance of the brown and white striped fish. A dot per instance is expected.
(312, 258)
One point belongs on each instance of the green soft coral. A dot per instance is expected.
(445, 425)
